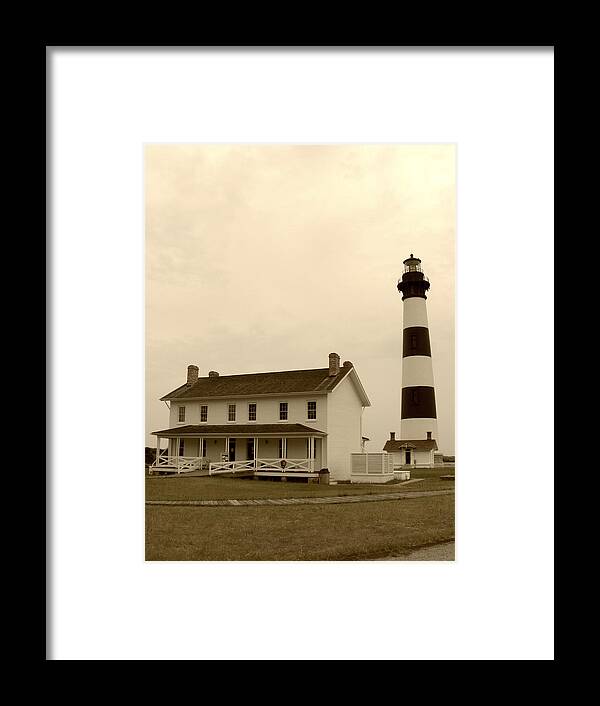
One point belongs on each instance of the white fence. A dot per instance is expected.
(264, 464)
(184, 464)
(372, 463)
(285, 464)
(230, 467)
(181, 463)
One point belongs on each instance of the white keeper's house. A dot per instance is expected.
(290, 422)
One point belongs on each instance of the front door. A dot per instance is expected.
(232, 449)
(250, 454)
(408, 457)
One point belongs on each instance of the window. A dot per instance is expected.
(280, 448)
(312, 410)
(413, 341)
(203, 412)
(283, 411)
(181, 447)
(231, 413)
(250, 450)
(252, 412)
(414, 396)
(182, 414)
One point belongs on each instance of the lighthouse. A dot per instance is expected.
(418, 414)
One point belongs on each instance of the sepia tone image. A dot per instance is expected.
(300, 352)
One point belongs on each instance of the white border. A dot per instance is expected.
(496, 600)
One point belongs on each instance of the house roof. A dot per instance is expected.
(418, 444)
(275, 383)
(238, 430)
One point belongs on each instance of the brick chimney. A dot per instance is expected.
(428, 436)
(334, 364)
(192, 375)
(213, 374)
(348, 364)
(392, 436)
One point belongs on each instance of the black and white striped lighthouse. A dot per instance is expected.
(418, 414)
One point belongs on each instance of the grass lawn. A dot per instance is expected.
(302, 533)
(432, 472)
(215, 488)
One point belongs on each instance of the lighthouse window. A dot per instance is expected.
(414, 396)
(413, 341)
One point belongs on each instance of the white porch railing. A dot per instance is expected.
(263, 464)
(289, 464)
(185, 464)
(181, 463)
(230, 467)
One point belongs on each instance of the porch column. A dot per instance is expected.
(255, 452)
(157, 450)
(227, 447)
(284, 447)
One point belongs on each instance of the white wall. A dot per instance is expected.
(417, 428)
(267, 411)
(414, 312)
(296, 448)
(214, 449)
(422, 459)
(344, 435)
(417, 370)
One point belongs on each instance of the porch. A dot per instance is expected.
(224, 449)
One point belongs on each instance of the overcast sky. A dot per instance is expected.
(269, 257)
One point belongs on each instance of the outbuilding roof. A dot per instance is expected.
(418, 444)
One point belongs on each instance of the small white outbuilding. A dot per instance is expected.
(415, 453)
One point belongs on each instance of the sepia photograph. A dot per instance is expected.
(284, 277)
(300, 352)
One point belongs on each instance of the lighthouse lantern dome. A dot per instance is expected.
(413, 282)
(412, 264)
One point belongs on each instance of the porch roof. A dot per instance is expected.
(233, 430)
(419, 444)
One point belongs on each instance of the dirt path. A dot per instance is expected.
(328, 500)
(439, 552)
